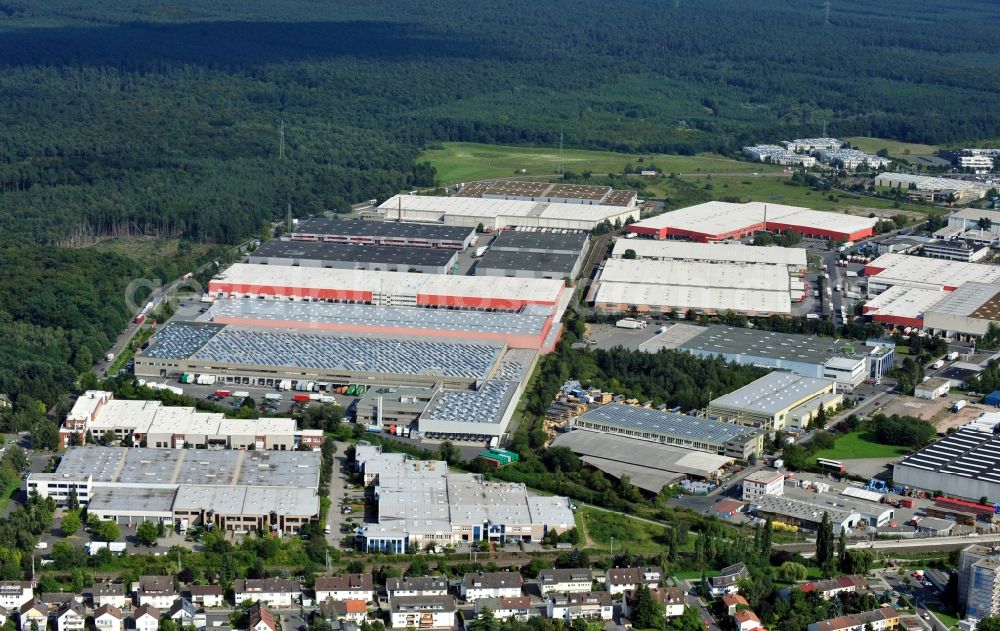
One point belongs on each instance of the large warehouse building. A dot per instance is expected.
(496, 214)
(965, 313)
(385, 233)
(534, 254)
(384, 288)
(649, 466)
(806, 355)
(651, 286)
(777, 401)
(793, 259)
(890, 270)
(964, 464)
(937, 188)
(525, 191)
(237, 490)
(902, 306)
(386, 258)
(422, 502)
(721, 221)
(671, 428)
(100, 415)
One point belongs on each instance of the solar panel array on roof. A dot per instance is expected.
(668, 423)
(968, 453)
(178, 340)
(525, 322)
(261, 347)
(479, 406)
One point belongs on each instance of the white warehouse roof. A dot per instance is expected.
(502, 212)
(721, 217)
(270, 277)
(917, 271)
(710, 252)
(670, 297)
(695, 274)
(772, 393)
(904, 302)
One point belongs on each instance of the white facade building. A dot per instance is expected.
(848, 372)
(273, 592)
(491, 585)
(761, 483)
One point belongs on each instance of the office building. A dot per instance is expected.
(777, 401)
(151, 423)
(809, 145)
(236, 490)
(722, 221)
(851, 159)
(955, 250)
(421, 503)
(773, 154)
(763, 482)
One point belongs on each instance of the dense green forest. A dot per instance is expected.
(162, 119)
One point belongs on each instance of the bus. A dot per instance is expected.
(835, 465)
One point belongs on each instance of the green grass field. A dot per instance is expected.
(724, 177)
(895, 147)
(464, 162)
(860, 445)
(632, 534)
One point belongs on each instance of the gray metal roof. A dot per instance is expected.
(965, 300)
(529, 261)
(966, 453)
(772, 393)
(549, 241)
(340, 252)
(382, 229)
(647, 455)
(142, 500)
(668, 423)
(728, 340)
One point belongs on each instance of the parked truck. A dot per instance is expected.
(205, 380)
(273, 396)
(957, 407)
(938, 364)
(480, 251)
(110, 357)
(952, 356)
(630, 323)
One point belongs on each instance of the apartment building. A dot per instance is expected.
(763, 483)
(618, 580)
(273, 592)
(491, 585)
(345, 587)
(565, 580)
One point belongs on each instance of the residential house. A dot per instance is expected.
(516, 607)
(619, 580)
(732, 602)
(108, 594)
(727, 508)
(840, 585)
(261, 618)
(880, 619)
(354, 610)
(672, 599)
(109, 618)
(183, 612)
(726, 581)
(273, 592)
(592, 605)
(491, 585)
(417, 586)
(345, 587)
(13, 594)
(423, 612)
(206, 595)
(55, 600)
(146, 618)
(71, 617)
(565, 580)
(746, 620)
(156, 591)
(33, 613)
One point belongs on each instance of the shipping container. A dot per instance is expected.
(222, 393)
(273, 396)
(300, 398)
